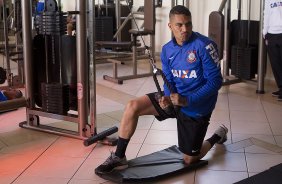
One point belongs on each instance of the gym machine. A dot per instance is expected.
(54, 91)
(148, 29)
(11, 51)
(222, 36)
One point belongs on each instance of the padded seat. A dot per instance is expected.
(141, 32)
(113, 44)
(12, 104)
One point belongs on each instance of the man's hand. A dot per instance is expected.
(178, 100)
(165, 102)
(173, 99)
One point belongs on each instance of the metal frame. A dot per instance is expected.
(18, 80)
(226, 4)
(119, 79)
(86, 78)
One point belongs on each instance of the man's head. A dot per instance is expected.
(180, 23)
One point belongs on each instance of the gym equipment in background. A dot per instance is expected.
(10, 105)
(216, 28)
(148, 30)
(54, 82)
(3, 75)
(244, 54)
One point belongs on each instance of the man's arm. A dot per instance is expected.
(167, 73)
(211, 72)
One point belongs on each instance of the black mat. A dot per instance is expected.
(270, 176)
(154, 166)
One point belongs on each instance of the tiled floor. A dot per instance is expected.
(254, 138)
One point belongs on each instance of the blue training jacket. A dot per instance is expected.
(194, 71)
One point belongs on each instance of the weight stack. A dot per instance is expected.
(55, 98)
(104, 28)
(244, 62)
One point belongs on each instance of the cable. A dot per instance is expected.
(156, 71)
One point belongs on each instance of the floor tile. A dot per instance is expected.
(226, 161)
(215, 177)
(261, 162)
(54, 167)
(68, 147)
(41, 180)
(249, 127)
(161, 137)
(250, 116)
(276, 128)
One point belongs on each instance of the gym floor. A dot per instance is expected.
(254, 138)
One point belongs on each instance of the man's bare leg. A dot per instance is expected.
(204, 150)
(219, 137)
(135, 108)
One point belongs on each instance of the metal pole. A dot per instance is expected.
(92, 65)
(222, 5)
(261, 54)
(249, 20)
(226, 47)
(9, 76)
(239, 2)
(187, 4)
(173, 3)
(82, 69)
(27, 51)
(118, 22)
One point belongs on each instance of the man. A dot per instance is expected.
(10, 94)
(272, 32)
(191, 65)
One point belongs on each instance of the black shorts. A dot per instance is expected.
(191, 131)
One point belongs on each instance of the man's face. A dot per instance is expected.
(181, 27)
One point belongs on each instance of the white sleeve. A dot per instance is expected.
(266, 17)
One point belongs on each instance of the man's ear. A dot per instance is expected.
(169, 25)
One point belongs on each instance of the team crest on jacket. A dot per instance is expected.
(191, 56)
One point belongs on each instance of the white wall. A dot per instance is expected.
(68, 5)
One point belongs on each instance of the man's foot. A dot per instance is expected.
(275, 93)
(222, 133)
(279, 98)
(112, 163)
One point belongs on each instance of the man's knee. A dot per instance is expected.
(190, 159)
(132, 106)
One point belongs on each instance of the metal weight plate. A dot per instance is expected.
(3, 76)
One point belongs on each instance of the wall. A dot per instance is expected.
(68, 5)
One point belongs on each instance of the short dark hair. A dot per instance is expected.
(179, 10)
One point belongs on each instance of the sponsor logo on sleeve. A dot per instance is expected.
(213, 53)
